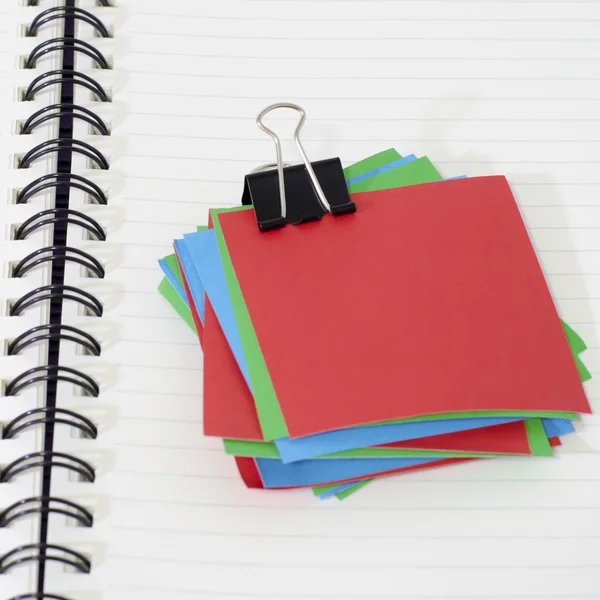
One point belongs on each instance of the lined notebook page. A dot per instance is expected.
(481, 87)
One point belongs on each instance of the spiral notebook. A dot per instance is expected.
(122, 123)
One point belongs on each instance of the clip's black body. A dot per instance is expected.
(261, 190)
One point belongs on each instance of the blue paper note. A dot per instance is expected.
(336, 490)
(173, 280)
(191, 276)
(361, 437)
(203, 254)
(552, 428)
(275, 473)
(556, 427)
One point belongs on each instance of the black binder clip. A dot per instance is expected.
(281, 193)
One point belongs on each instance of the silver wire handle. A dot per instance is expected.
(315, 182)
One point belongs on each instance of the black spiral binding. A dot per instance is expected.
(56, 255)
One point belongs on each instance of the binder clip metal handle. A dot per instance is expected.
(295, 193)
(311, 173)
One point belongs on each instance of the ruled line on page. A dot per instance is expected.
(291, 536)
(335, 99)
(392, 140)
(358, 566)
(236, 182)
(210, 203)
(365, 77)
(368, 19)
(255, 160)
(350, 596)
(348, 507)
(207, 594)
(210, 594)
(336, 38)
(442, 58)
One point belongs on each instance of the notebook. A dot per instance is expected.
(481, 88)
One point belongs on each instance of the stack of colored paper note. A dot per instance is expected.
(415, 333)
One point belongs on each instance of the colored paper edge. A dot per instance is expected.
(346, 490)
(353, 183)
(584, 374)
(172, 275)
(352, 490)
(575, 339)
(536, 436)
(172, 297)
(416, 172)
(551, 429)
(371, 163)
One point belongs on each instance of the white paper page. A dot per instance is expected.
(484, 87)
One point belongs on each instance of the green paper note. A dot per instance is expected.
(321, 489)
(173, 265)
(575, 341)
(168, 291)
(418, 171)
(371, 163)
(352, 490)
(539, 444)
(584, 374)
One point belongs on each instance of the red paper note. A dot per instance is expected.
(429, 299)
(496, 439)
(229, 410)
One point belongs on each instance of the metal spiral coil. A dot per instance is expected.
(56, 291)
(61, 218)
(61, 254)
(46, 504)
(37, 552)
(55, 180)
(48, 332)
(56, 215)
(25, 421)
